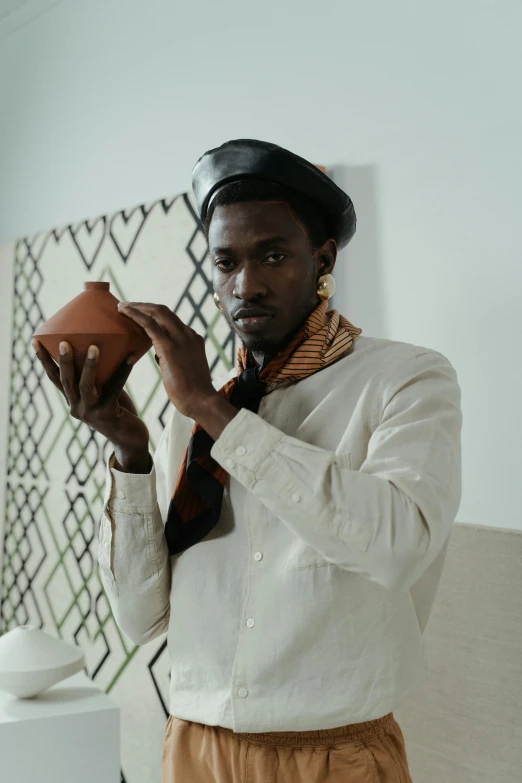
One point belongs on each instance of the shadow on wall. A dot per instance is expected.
(359, 271)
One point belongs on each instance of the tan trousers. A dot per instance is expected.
(371, 752)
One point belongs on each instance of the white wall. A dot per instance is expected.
(6, 306)
(415, 105)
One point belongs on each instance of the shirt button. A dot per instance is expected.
(250, 622)
(296, 497)
(258, 556)
(243, 693)
(120, 495)
(240, 451)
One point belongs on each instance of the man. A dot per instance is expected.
(290, 531)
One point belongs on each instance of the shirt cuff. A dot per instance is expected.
(244, 445)
(129, 491)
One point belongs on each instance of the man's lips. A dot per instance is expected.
(253, 322)
(252, 312)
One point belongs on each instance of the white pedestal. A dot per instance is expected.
(69, 734)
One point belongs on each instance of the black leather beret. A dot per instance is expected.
(253, 159)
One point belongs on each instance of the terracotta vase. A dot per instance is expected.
(92, 318)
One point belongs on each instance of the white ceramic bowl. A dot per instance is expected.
(32, 660)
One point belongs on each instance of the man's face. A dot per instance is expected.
(262, 261)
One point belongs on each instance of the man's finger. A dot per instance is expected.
(87, 385)
(161, 314)
(114, 386)
(152, 327)
(49, 365)
(67, 373)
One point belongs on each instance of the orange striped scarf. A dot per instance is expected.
(196, 502)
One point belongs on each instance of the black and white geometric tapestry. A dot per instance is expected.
(56, 465)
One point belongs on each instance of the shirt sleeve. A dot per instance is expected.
(133, 554)
(389, 519)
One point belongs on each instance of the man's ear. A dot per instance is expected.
(327, 255)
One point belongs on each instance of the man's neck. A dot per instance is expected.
(258, 358)
(261, 359)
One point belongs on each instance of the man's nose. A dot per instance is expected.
(249, 283)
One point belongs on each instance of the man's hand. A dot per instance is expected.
(109, 411)
(181, 356)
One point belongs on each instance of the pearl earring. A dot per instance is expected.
(217, 302)
(326, 286)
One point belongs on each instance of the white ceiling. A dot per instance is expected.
(17, 13)
(8, 6)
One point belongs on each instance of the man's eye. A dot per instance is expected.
(223, 261)
(277, 256)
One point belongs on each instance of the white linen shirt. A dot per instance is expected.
(304, 608)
